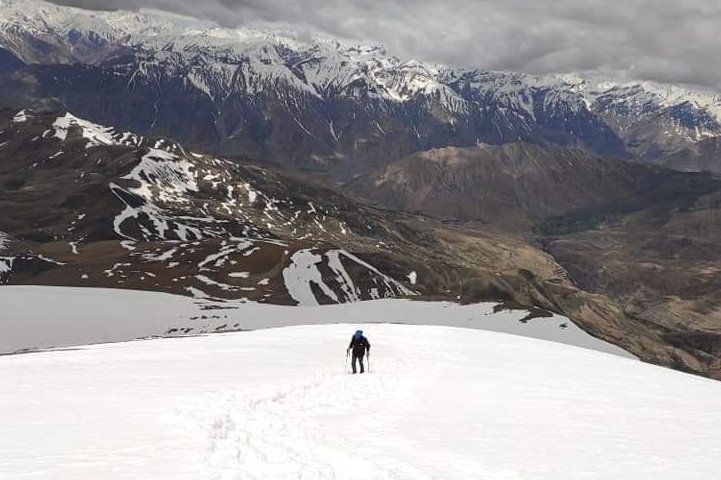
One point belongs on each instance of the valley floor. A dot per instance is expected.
(440, 402)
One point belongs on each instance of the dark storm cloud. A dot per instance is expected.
(663, 40)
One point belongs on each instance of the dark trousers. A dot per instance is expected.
(358, 357)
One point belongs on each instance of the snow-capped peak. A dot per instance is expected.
(220, 61)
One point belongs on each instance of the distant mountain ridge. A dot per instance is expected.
(325, 105)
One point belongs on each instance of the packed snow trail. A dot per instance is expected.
(440, 403)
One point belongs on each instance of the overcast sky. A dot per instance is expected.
(676, 41)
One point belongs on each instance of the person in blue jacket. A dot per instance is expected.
(360, 346)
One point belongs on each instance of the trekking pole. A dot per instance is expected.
(345, 369)
(368, 356)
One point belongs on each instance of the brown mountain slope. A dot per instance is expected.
(511, 186)
(83, 204)
(662, 263)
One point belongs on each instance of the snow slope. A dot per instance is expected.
(70, 316)
(274, 404)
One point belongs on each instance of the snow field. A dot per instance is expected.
(274, 404)
(70, 316)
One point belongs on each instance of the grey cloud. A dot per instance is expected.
(662, 40)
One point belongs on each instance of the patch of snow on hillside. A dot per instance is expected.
(164, 176)
(219, 258)
(304, 272)
(49, 260)
(6, 265)
(212, 283)
(239, 274)
(341, 276)
(164, 226)
(160, 257)
(402, 290)
(95, 134)
(21, 117)
(4, 241)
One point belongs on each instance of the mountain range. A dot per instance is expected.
(324, 105)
